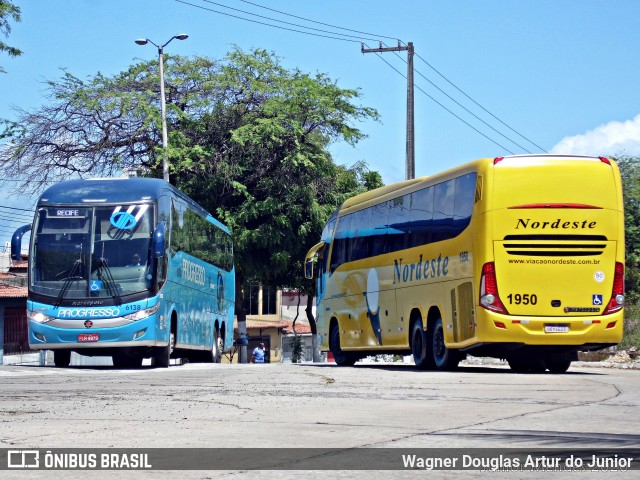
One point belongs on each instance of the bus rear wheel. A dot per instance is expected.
(558, 363)
(443, 358)
(62, 358)
(343, 359)
(521, 363)
(217, 348)
(422, 356)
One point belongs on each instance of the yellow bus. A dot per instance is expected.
(519, 258)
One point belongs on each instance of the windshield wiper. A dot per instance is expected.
(74, 276)
(110, 283)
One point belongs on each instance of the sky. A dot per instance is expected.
(492, 77)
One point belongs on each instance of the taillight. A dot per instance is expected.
(497, 160)
(617, 293)
(489, 297)
(605, 160)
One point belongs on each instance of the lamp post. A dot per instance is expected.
(144, 41)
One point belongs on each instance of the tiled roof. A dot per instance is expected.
(287, 327)
(12, 291)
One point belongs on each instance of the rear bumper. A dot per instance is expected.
(588, 331)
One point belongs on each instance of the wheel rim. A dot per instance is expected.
(218, 345)
(417, 344)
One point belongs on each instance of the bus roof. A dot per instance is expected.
(103, 191)
(397, 189)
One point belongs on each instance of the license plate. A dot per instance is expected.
(556, 328)
(88, 337)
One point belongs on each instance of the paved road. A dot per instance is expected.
(280, 405)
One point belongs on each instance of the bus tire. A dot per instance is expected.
(342, 359)
(162, 355)
(521, 363)
(126, 358)
(443, 358)
(62, 358)
(217, 347)
(422, 356)
(558, 363)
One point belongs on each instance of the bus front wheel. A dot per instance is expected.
(444, 358)
(343, 359)
(62, 358)
(126, 358)
(162, 355)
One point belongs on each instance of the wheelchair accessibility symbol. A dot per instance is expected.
(597, 299)
(95, 285)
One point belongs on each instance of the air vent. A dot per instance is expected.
(555, 245)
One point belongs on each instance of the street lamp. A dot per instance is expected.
(144, 41)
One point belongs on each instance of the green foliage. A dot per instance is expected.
(248, 140)
(296, 349)
(8, 11)
(631, 337)
(630, 172)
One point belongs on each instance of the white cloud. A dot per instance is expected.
(613, 138)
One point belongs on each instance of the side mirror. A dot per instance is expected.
(159, 240)
(308, 267)
(16, 241)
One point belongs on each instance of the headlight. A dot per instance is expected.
(39, 317)
(142, 313)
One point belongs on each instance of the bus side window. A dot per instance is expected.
(444, 196)
(421, 216)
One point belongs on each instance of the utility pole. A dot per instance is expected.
(410, 168)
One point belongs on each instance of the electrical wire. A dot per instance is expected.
(362, 39)
(268, 24)
(462, 106)
(422, 75)
(441, 105)
(280, 21)
(319, 23)
(16, 208)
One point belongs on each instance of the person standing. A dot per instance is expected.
(258, 354)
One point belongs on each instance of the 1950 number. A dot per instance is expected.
(522, 299)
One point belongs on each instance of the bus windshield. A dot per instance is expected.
(92, 252)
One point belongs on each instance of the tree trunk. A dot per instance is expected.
(241, 315)
(314, 329)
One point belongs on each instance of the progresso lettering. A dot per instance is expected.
(88, 312)
(192, 272)
(433, 268)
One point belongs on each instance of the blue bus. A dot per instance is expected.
(130, 268)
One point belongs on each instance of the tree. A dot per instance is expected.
(8, 11)
(630, 172)
(248, 141)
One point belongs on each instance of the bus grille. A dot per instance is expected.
(555, 245)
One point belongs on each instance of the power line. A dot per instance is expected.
(362, 39)
(279, 21)
(319, 23)
(487, 111)
(15, 220)
(16, 208)
(465, 108)
(267, 24)
(452, 113)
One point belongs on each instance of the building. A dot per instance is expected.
(270, 317)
